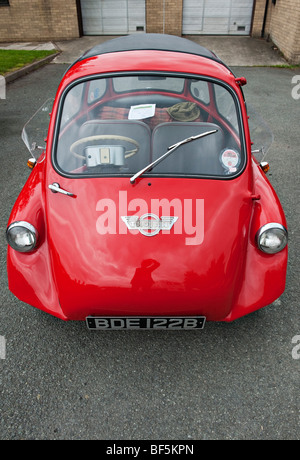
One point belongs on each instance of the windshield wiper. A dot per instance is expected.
(170, 150)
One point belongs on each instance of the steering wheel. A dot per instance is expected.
(128, 153)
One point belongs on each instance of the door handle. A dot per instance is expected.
(55, 188)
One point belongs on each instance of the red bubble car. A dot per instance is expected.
(147, 208)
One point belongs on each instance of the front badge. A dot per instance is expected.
(149, 224)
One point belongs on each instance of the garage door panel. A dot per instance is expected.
(240, 25)
(217, 12)
(241, 12)
(118, 14)
(114, 7)
(192, 16)
(242, 3)
(220, 4)
(90, 15)
(112, 17)
(192, 20)
(193, 7)
(136, 16)
(114, 23)
(216, 17)
(215, 25)
(93, 22)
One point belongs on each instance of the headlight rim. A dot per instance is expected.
(266, 227)
(27, 226)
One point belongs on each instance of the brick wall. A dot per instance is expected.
(38, 20)
(285, 28)
(282, 26)
(43, 20)
(164, 16)
(258, 17)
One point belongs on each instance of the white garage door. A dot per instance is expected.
(217, 17)
(112, 17)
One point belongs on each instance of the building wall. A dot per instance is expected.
(38, 20)
(43, 20)
(285, 28)
(258, 17)
(282, 26)
(164, 16)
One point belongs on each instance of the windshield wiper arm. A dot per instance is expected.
(170, 150)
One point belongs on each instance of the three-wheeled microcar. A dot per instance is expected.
(147, 209)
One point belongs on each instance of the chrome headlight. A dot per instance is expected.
(272, 238)
(22, 236)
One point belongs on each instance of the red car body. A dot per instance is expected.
(213, 268)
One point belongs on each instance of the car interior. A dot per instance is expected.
(105, 137)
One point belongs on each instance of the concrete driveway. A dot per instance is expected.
(234, 50)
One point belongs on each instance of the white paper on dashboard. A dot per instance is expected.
(139, 112)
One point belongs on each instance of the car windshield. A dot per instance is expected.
(116, 126)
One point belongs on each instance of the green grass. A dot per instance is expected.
(11, 60)
(287, 66)
(281, 66)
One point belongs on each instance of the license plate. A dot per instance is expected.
(130, 322)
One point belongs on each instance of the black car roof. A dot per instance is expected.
(144, 41)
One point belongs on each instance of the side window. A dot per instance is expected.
(199, 90)
(72, 103)
(97, 89)
(226, 105)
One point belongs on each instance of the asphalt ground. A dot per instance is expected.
(230, 381)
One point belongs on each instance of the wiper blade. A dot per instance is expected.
(171, 149)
